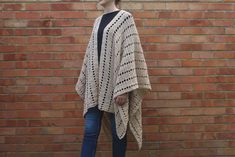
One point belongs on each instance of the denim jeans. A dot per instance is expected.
(91, 133)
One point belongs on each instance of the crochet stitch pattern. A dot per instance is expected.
(122, 69)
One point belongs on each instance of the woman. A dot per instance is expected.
(113, 79)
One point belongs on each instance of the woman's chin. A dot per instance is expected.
(102, 4)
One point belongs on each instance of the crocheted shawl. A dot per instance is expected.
(122, 69)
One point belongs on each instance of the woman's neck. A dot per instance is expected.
(110, 8)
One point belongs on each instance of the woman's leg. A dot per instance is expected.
(91, 132)
(118, 145)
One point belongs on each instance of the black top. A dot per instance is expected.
(106, 18)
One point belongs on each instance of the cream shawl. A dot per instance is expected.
(122, 69)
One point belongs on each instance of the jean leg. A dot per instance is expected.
(118, 145)
(91, 132)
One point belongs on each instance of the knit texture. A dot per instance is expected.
(122, 69)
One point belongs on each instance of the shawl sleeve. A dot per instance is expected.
(133, 73)
(132, 78)
(80, 86)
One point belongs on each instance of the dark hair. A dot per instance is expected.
(117, 2)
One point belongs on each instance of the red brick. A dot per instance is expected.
(13, 7)
(27, 15)
(37, 6)
(189, 49)
(61, 6)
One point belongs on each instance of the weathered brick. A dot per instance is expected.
(189, 49)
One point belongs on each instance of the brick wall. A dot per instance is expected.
(190, 51)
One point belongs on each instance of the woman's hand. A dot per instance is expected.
(121, 99)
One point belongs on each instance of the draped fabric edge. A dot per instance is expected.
(141, 85)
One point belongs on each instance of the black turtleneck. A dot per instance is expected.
(106, 18)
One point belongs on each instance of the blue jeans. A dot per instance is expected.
(91, 133)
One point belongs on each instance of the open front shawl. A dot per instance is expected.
(122, 69)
